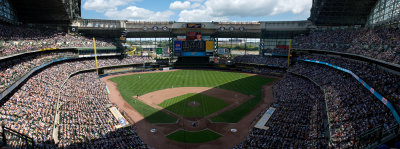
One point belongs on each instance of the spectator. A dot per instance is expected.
(380, 43)
(298, 121)
(352, 109)
(264, 60)
(31, 109)
(18, 40)
(13, 70)
(386, 83)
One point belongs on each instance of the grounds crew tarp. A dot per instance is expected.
(261, 123)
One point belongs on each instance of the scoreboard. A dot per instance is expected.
(193, 46)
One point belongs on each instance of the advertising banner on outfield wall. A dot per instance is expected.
(223, 51)
(209, 46)
(159, 50)
(178, 46)
(194, 54)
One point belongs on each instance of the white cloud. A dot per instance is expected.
(242, 8)
(178, 5)
(295, 7)
(221, 10)
(198, 1)
(111, 10)
(103, 5)
(136, 13)
(196, 5)
(199, 15)
(201, 10)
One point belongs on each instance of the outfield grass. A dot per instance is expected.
(179, 105)
(140, 84)
(193, 137)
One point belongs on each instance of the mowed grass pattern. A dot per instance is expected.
(180, 105)
(194, 137)
(140, 84)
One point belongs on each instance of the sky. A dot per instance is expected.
(197, 10)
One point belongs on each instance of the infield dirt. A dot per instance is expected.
(158, 139)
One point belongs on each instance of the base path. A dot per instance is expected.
(158, 139)
(232, 98)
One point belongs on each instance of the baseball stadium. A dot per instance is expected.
(137, 79)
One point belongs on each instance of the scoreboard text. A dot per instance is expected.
(193, 46)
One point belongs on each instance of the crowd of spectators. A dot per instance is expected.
(298, 121)
(261, 60)
(31, 109)
(352, 109)
(125, 61)
(264, 71)
(379, 43)
(11, 71)
(269, 70)
(277, 51)
(15, 40)
(383, 81)
(14, 69)
(86, 120)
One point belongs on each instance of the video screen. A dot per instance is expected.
(193, 46)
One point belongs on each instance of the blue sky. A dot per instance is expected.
(197, 10)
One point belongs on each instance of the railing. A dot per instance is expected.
(387, 103)
(326, 104)
(8, 134)
(239, 23)
(11, 88)
(104, 24)
(150, 22)
(379, 134)
(387, 65)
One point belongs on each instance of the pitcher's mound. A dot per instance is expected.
(194, 104)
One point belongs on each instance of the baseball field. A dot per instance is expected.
(192, 101)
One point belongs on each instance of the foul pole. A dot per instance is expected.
(290, 48)
(95, 55)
